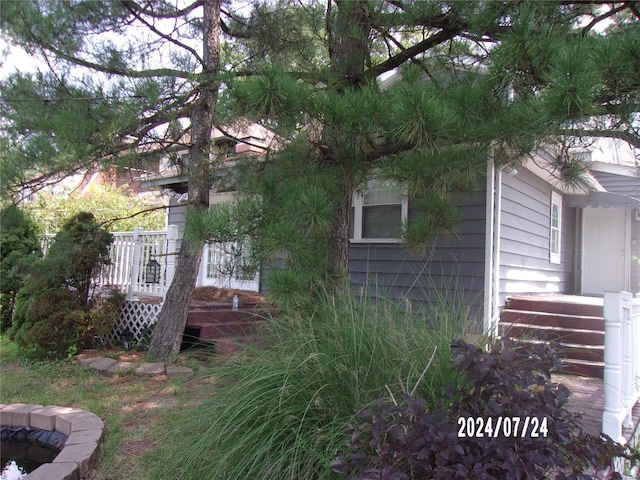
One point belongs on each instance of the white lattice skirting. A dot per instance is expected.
(136, 317)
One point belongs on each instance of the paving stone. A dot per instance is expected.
(103, 364)
(78, 421)
(54, 471)
(122, 367)
(86, 359)
(176, 371)
(156, 368)
(45, 417)
(85, 455)
(17, 415)
(94, 435)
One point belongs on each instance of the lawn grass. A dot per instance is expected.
(132, 407)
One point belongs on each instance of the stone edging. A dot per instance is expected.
(110, 366)
(84, 430)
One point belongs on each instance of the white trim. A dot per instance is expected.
(555, 256)
(492, 250)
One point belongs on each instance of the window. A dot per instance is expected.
(379, 212)
(555, 233)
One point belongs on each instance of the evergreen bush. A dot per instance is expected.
(19, 248)
(57, 308)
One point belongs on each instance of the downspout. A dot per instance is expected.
(492, 249)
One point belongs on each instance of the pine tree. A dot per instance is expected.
(473, 82)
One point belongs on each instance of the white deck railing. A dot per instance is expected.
(224, 264)
(131, 252)
(622, 362)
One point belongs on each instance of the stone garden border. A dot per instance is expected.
(84, 430)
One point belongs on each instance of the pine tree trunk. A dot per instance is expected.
(167, 335)
(349, 49)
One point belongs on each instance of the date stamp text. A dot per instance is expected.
(509, 427)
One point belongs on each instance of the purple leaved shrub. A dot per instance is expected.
(509, 421)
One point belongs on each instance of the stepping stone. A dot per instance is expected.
(86, 359)
(176, 371)
(122, 367)
(103, 364)
(156, 368)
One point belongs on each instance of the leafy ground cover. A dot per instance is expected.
(131, 406)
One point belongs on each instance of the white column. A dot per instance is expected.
(613, 315)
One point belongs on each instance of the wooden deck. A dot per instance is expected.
(587, 398)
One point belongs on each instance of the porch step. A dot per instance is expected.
(576, 323)
(583, 368)
(562, 304)
(227, 329)
(552, 319)
(230, 345)
(549, 333)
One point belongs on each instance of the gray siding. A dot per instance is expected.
(452, 268)
(624, 185)
(524, 240)
(176, 216)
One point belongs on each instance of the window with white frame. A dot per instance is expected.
(555, 233)
(379, 211)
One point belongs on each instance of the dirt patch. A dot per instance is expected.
(214, 294)
(135, 448)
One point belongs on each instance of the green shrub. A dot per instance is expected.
(281, 412)
(57, 310)
(19, 248)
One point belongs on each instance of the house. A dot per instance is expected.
(219, 266)
(525, 232)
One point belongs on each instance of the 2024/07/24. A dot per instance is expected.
(510, 427)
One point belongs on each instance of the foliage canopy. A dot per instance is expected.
(421, 92)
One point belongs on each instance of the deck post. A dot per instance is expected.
(135, 265)
(614, 306)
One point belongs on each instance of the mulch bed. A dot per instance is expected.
(224, 295)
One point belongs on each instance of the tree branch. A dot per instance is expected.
(141, 212)
(131, 4)
(159, 33)
(630, 138)
(420, 47)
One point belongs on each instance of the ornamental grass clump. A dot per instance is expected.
(281, 412)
